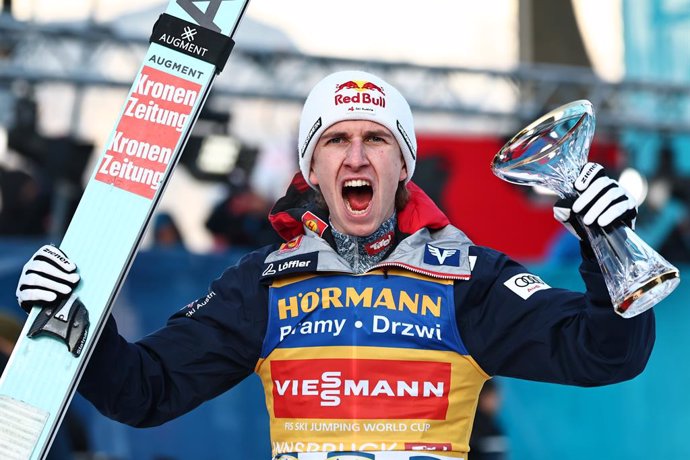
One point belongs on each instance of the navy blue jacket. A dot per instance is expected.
(206, 348)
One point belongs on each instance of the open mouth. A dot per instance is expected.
(357, 195)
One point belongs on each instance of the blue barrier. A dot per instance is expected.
(644, 418)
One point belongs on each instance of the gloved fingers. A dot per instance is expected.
(590, 194)
(602, 204)
(561, 214)
(33, 281)
(35, 296)
(617, 211)
(563, 206)
(42, 267)
(46, 278)
(588, 174)
(56, 257)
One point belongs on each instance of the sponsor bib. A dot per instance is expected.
(367, 363)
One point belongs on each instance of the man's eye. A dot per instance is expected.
(376, 139)
(334, 140)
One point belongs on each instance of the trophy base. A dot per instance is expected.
(648, 295)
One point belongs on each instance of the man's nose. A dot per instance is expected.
(356, 154)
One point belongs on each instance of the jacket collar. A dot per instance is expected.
(427, 243)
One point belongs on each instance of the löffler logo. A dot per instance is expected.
(364, 93)
(360, 389)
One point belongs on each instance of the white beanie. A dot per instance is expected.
(355, 95)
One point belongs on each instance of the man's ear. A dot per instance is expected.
(403, 171)
(312, 177)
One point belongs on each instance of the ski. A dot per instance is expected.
(190, 44)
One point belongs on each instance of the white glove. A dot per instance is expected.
(46, 279)
(602, 201)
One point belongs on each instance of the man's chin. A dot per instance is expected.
(356, 225)
(360, 228)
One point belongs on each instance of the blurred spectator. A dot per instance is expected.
(71, 438)
(664, 220)
(241, 218)
(9, 334)
(166, 234)
(25, 204)
(487, 441)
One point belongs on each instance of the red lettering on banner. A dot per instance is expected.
(144, 141)
(446, 446)
(360, 389)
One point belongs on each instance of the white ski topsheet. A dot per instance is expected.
(106, 230)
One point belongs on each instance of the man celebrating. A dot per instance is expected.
(375, 325)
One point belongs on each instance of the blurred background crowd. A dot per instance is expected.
(474, 74)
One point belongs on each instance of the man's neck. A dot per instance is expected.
(363, 252)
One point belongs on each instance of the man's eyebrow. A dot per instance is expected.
(378, 132)
(332, 134)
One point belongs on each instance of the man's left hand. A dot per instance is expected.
(602, 202)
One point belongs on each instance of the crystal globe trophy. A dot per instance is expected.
(550, 152)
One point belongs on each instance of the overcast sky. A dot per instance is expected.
(463, 33)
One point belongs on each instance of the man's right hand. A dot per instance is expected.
(46, 279)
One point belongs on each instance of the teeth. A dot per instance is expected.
(357, 183)
(356, 213)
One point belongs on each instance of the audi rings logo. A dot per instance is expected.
(526, 280)
(526, 284)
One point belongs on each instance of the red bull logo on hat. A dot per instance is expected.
(359, 86)
(363, 93)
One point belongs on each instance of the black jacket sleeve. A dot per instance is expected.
(554, 335)
(206, 348)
